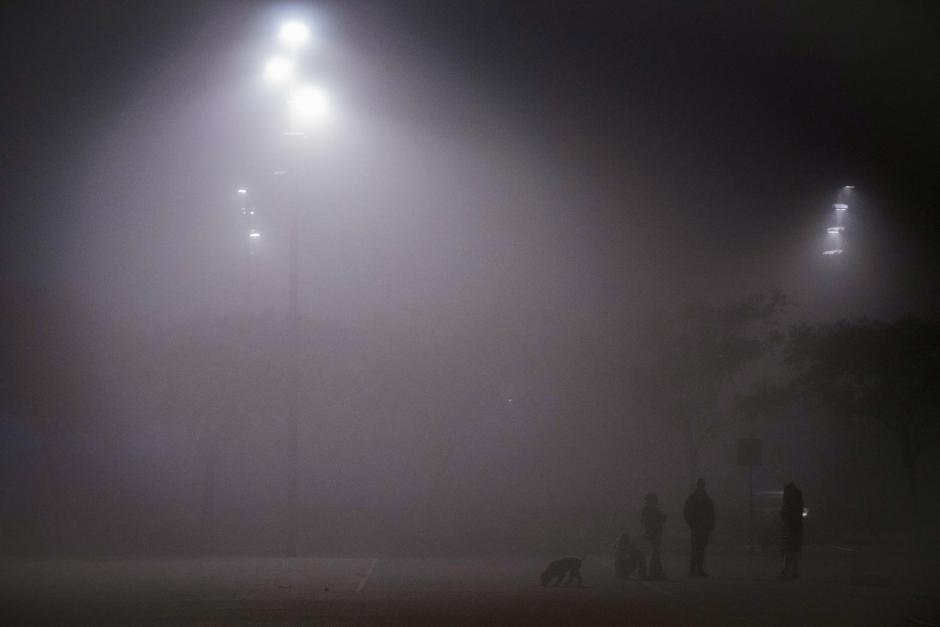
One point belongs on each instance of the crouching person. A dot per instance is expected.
(628, 558)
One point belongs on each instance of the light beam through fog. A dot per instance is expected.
(442, 301)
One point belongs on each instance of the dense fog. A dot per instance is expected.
(536, 279)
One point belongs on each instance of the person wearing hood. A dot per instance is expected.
(699, 513)
(628, 558)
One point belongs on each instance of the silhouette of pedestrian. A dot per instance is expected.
(653, 521)
(699, 512)
(791, 512)
(628, 558)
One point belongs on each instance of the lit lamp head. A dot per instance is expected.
(294, 34)
(278, 70)
(309, 104)
(841, 206)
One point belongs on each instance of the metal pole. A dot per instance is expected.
(292, 393)
(249, 226)
(750, 505)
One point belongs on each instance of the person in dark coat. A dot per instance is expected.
(628, 558)
(653, 521)
(791, 513)
(699, 512)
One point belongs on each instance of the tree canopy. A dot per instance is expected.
(882, 371)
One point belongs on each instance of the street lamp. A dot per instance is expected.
(294, 34)
(307, 104)
(278, 70)
(835, 230)
(840, 206)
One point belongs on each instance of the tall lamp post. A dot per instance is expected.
(307, 105)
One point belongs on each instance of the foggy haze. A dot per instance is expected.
(507, 231)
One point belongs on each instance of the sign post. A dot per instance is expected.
(749, 455)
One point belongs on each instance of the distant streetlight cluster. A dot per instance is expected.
(835, 232)
(248, 218)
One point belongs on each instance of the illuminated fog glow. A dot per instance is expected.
(278, 70)
(294, 34)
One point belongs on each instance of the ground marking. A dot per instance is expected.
(365, 579)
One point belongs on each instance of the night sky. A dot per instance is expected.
(519, 155)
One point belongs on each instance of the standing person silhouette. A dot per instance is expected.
(699, 514)
(791, 512)
(653, 521)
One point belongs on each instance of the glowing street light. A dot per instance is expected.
(841, 206)
(835, 251)
(278, 70)
(307, 105)
(848, 188)
(242, 191)
(835, 230)
(310, 104)
(294, 34)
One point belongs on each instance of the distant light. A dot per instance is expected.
(251, 212)
(835, 230)
(242, 191)
(310, 104)
(278, 70)
(294, 34)
(805, 512)
(837, 251)
(849, 188)
(841, 206)
(254, 234)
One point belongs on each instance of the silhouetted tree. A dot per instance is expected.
(700, 365)
(882, 371)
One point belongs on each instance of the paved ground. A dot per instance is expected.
(838, 588)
